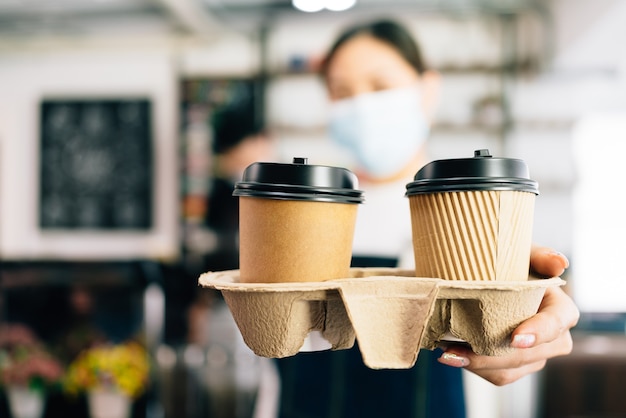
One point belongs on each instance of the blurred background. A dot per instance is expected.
(114, 191)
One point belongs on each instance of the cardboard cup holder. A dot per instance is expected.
(390, 312)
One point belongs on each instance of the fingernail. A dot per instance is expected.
(453, 360)
(563, 257)
(523, 341)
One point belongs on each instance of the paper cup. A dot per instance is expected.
(472, 219)
(296, 222)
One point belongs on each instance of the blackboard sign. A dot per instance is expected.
(96, 164)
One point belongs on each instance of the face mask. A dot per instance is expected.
(383, 130)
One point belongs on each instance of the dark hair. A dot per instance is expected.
(232, 124)
(390, 32)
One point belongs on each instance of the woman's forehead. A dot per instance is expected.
(367, 64)
(366, 55)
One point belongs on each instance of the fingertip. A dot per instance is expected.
(454, 360)
(562, 258)
(548, 262)
(523, 340)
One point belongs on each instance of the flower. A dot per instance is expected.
(16, 334)
(25, 361)
(124, 367)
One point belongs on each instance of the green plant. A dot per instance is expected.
(25, 361)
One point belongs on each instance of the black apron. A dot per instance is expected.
(337, 384)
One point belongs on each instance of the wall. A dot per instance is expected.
(26, 77)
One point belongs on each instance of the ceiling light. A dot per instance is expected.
(312, 6)
(339, 5)
(309, 6)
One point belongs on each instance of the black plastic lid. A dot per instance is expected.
(483, 172)
(299, 181)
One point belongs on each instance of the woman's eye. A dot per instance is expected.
(340, 93)
(380, 85)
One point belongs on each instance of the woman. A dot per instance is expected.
(382, 99)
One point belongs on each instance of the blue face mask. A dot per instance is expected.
(383, 130)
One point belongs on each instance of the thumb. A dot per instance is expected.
(547, 262)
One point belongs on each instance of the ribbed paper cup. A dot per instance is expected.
(484, 235)
(296, 222)
(474, 226)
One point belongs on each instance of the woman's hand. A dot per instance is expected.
(545, 335)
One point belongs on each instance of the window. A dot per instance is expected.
(599, 255)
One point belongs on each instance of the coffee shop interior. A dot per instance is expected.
(110, 209)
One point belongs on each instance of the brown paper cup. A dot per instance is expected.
(295, 241)
(472, 235)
